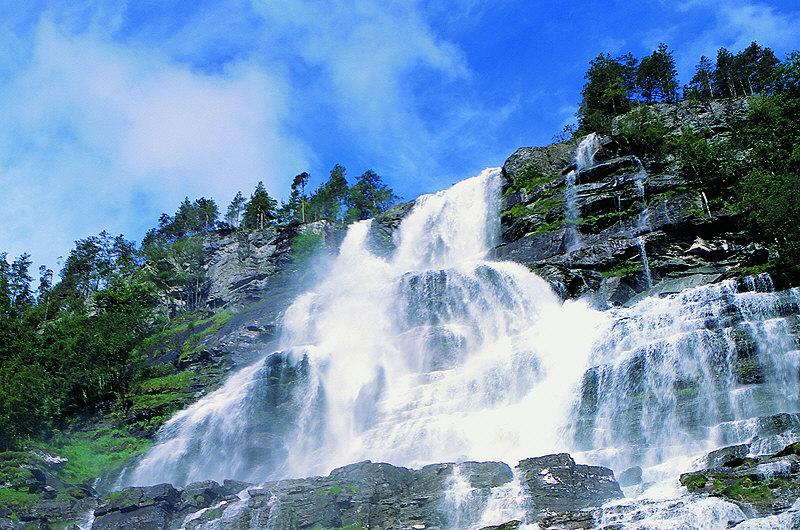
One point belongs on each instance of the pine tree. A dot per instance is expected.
(700, 87)
(657, 75)
(300, 181)
(235, 210)
(605, 93)
(368, 197)
(260, 211)
(723, 76)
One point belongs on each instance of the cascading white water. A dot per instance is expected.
(436, 353)
(584, 157)
(672, 370)
(433, 354)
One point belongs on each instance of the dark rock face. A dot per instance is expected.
(380, 238)
(151, 507)
(643, 232)
(549, 159)
(245, 267)
(556, 484)
(368, 495)
(760, 484)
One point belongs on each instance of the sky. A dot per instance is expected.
(112, 112)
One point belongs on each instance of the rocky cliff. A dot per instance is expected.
(644, 228)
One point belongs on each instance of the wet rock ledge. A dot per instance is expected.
(369, 495)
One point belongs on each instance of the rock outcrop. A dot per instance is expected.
(642, 231)
(39, 497)
(761, 476)
(244, 267)
(362, 495)
(557, 485)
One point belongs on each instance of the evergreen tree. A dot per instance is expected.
(235, 210)
(723, 78)
(657, 75)
(755, 68)
(300, 181)
(19, 282)
(604, 95)
(330, 199)
(206, 215)
(260, 210)
(369, 196)
(700, 87)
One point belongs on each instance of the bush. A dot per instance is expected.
(772, 204)
(306, 244)
(642, 133)
(712, 165)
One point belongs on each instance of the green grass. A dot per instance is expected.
(746, 490)
(90, 454)
(148, 401)
(12, 474)
(305, 245)
(545, 204)
(548, 227)
(753, 270)
(210, 326)
(517, 211)
(528, 178)
(333, 490)
(185, 324)
(168, 383)
(623, 268)
(15, 499)
(696, 482)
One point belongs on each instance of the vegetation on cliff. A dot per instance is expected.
(96, 342)
(753, 170)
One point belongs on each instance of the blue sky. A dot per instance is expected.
(112, 112)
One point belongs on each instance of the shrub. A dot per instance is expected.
(642, 133)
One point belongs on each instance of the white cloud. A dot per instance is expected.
(379, 66)
(106, 103)
(734, 24)
(87, 123)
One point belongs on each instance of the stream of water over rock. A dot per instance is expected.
(439, 354)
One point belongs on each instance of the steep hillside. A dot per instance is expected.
(643, 226)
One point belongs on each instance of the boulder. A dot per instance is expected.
(556, 484)
(138, 507)
(380, 238)
(761, 484)
(549, 160)
(630, 477)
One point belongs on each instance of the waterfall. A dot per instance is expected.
(433, 354)
(670, 371)
(436, 353)
(643, 223)
(584, 157)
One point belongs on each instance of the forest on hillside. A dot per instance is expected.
(71, 344)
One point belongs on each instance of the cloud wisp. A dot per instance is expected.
(87, 124)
